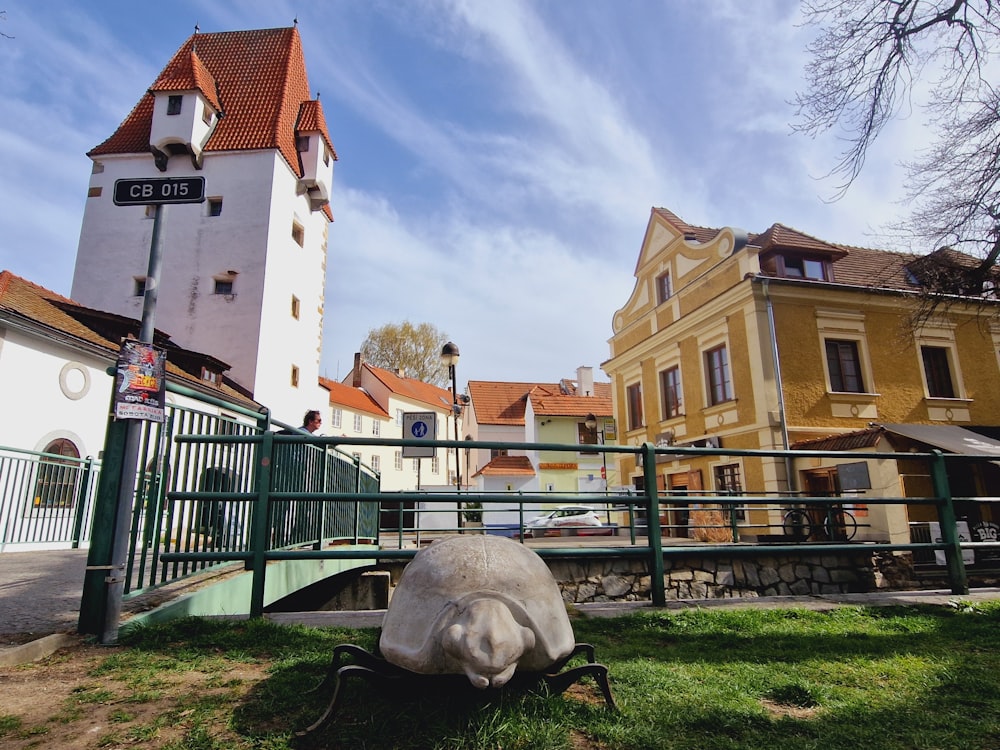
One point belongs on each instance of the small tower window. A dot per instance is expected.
(215, 206)
(139, 289)
(295, 376)
(223, 286)
(298, 234)
(295, 307)
(302, 143)
(174, 104)
(206, 114)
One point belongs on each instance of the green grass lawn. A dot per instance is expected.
(853, 678)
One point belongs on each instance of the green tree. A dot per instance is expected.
(414, 349)
(875, 59)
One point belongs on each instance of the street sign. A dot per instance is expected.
(155, 190)
(419, 425)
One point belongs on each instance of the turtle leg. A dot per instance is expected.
(345, 672)
(558, 683)
(339, 653)
(579, 648)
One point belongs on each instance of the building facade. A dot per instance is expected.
(766, 341)
(555, 413)
(243, 273)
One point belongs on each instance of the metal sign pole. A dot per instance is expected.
(115, 580)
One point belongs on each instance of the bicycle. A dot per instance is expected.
(838, 525)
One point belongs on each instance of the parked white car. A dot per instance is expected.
(563, 516)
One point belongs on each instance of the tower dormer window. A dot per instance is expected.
(206, 114)
(302, 143)
(174, 104)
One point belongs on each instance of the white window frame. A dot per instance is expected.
(336, 418)
(359, 423)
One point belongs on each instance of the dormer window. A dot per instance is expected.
(174, 104)
(209, 376)
(302, 143)
(798, 266)
(206, 114)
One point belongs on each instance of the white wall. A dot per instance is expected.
(253, 331)
(48, 391)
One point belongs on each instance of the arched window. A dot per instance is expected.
(56, 484)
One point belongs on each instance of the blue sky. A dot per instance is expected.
(498, 160)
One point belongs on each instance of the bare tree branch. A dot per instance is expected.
(866, 60)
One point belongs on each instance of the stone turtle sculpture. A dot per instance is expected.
(479, 606)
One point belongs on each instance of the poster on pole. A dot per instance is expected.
(140, 384)
(419, 425)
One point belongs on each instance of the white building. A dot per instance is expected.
(55, 396)
(243, 273)
(371, 403)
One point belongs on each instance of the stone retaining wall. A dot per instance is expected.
(730, 578)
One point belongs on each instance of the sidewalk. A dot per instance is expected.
(40, 596)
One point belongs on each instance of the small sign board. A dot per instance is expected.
(419, 425)
(140, 384)
(854, 476)
(156, 190)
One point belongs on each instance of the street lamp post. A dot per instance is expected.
(449, 357)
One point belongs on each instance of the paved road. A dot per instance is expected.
(40, 592)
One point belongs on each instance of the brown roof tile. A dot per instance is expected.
(412, 388)
(508, 466)
(260, 82)
(49, 311)
(352, 398)
(500, 403)
(186, 71)
(867, 438)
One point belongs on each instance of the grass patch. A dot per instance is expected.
(893, 678)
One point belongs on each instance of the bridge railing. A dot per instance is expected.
(648, 538)
(254, 496)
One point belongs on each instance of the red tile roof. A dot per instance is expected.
(260, 85)
(867, 438)
(411, 388)
(508, 466)
(852, 266)
(352, 398)
(778, 236)
(499, 403)
(185, 72)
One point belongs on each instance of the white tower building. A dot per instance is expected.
(243, 273)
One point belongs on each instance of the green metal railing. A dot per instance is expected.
(228, 494)
(224, 491)
(45, 499)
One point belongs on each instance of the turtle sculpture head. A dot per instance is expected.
(482, 606)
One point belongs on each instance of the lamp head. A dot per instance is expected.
(449, 354)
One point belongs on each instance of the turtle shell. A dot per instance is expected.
(450, 579)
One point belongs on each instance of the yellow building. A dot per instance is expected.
(764, 341)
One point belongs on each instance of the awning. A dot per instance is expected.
(948, 437)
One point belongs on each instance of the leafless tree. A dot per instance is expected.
(413, 349)
(866, 61)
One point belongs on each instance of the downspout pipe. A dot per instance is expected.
(785, 444)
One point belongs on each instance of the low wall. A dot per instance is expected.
(697, 577)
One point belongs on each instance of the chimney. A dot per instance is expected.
(356, 375)
(584, 381)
